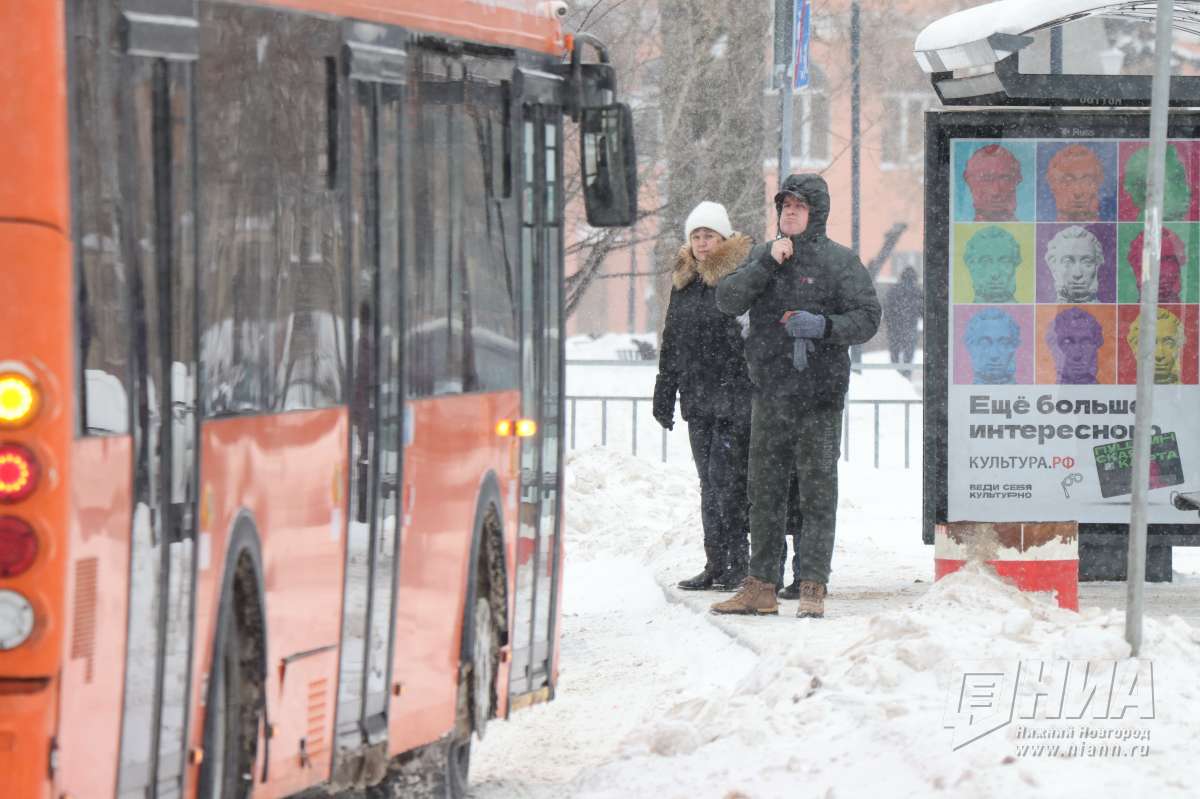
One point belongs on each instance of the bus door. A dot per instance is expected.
(540, 137)
(157, 186)
(375, 100)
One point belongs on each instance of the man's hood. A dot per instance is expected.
(813, 190)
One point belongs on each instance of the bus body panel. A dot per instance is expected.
(93, 671)
(33, 117)
(26, 731)
(286, 471)
(35, 268)
(453, 446)
(504, 23)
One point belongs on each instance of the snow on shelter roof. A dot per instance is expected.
(965, 39)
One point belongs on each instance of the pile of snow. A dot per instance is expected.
(868, 718)
(660, 698)
(621, 505)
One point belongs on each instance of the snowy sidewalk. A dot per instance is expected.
(660, 698)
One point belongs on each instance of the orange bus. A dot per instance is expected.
(281, 385)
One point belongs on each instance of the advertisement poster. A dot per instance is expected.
(1045, 250)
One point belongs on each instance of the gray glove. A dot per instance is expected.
(802, 324)
(801, 347)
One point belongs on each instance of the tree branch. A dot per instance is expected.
(875, 265)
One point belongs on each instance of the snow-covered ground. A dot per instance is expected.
(658, 698)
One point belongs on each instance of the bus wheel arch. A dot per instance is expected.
(235, 699)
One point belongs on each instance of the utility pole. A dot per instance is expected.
(1135, 579)
(633, 278)
(784, 14)
(855, 143)
(855, 131)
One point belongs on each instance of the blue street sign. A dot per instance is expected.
(800, 36)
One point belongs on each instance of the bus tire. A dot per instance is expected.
(475, 689)
(235, 698)
(483, 667)
(458, 765)
(222, 775)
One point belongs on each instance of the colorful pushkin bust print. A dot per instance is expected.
(992, 174)
(992, 256)
(1177, 194)
(992, 338)
(1075, 176)
(1075, 339)
(1173, 255)
(1167, 347)
(1074, 257)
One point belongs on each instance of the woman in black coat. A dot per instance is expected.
(702, 359)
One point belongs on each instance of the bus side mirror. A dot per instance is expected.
(609, 165)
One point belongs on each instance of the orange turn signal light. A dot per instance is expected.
(522, 428)
(18, 400)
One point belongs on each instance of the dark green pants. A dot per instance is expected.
(786, 434)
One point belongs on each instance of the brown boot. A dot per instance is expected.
(754, 597)
(812, 600)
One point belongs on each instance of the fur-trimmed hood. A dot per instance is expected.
(727, 256)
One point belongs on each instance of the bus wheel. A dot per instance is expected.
(231, 724)
(483, 667)
(475, 685)
(458, 764)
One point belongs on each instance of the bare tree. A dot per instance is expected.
(693, 70)
(630, 29)
(715, 57)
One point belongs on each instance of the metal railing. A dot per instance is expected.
(620, 415)
(633, 403)
(854, 367)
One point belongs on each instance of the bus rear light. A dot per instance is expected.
(18, 400)
(526, 428)
(18, 547)
(16, 620)
(504, 427)
(19, 473)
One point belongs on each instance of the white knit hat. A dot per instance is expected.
(710, 215)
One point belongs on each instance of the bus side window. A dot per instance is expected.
(490, 278)
(273, 328)
(434, 336)
(102, 303)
